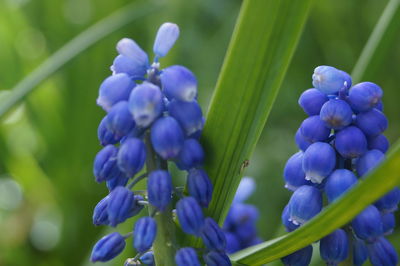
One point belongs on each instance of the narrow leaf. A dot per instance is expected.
(374, 186)
(262, 45)
(386, 28)
(76, 46)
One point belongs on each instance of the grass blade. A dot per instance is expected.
(76, 46)
(262, 45)
(377, 184)
(387, 26)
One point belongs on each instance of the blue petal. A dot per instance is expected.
(166, 37)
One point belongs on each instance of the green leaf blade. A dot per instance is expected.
(261, 49)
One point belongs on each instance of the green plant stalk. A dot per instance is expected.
(262, 45)
(375, 185)
(164, 244)
(76, 46)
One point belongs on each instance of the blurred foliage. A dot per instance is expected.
(48, 143)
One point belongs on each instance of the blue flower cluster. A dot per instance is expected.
(240, 227)
(152, 117)
(340, 142)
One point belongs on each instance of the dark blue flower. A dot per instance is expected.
(104, 135)
(214, 258)
(368, 224)
(186, 257)
(166, 37)
(381, 252)
(146, 104)
(360, 252)
(191, 155)
(338, 182)
(199, 186)
(336, 114)
(334, 248)
(105, 164)
(285, 217)
(232, 242)
(246, 231)
(108, 247)
(305, 203)
(293, 172)
(301, 142)
(388, 223)
(148, 258)
(369, 161)
(120, 121)
(314, 129)
(179, 83)
(330, 80)
(190, 215)
(212, 235)
(120, 180)
(144, 233)
(240, 214)
(127, 65)
(100, 215)
(167, 137)
(379, 106)
(120, 205)
(188, 114)
(115, 88)
(311, 101)
(364, 96)
(379, 142)
(389, 202)
(301, 257)
(372, 123)
(351, 142)
(139, 59)
(318, 161)
(159, 186)
(131, 156)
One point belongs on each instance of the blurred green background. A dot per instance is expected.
(47, 144)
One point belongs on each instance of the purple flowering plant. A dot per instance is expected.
(153, 120)
(174, 191)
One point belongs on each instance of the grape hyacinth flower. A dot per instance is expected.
(153, 118)
(300, 257)
(334, 248)
(114, 89)
(186, 257)
(108, 247)
(318, 161)
(340, 142)
(240, 224)
(144, 234)
(305, 203)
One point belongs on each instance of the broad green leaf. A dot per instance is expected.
(374, 186)
(76, 46)
(261, 48)
(383, 33)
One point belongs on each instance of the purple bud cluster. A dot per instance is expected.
(340, 142)
(240, 227)
(153, 117)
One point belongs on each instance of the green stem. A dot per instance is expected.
(163, 247)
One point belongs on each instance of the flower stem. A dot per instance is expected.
(164, 251)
